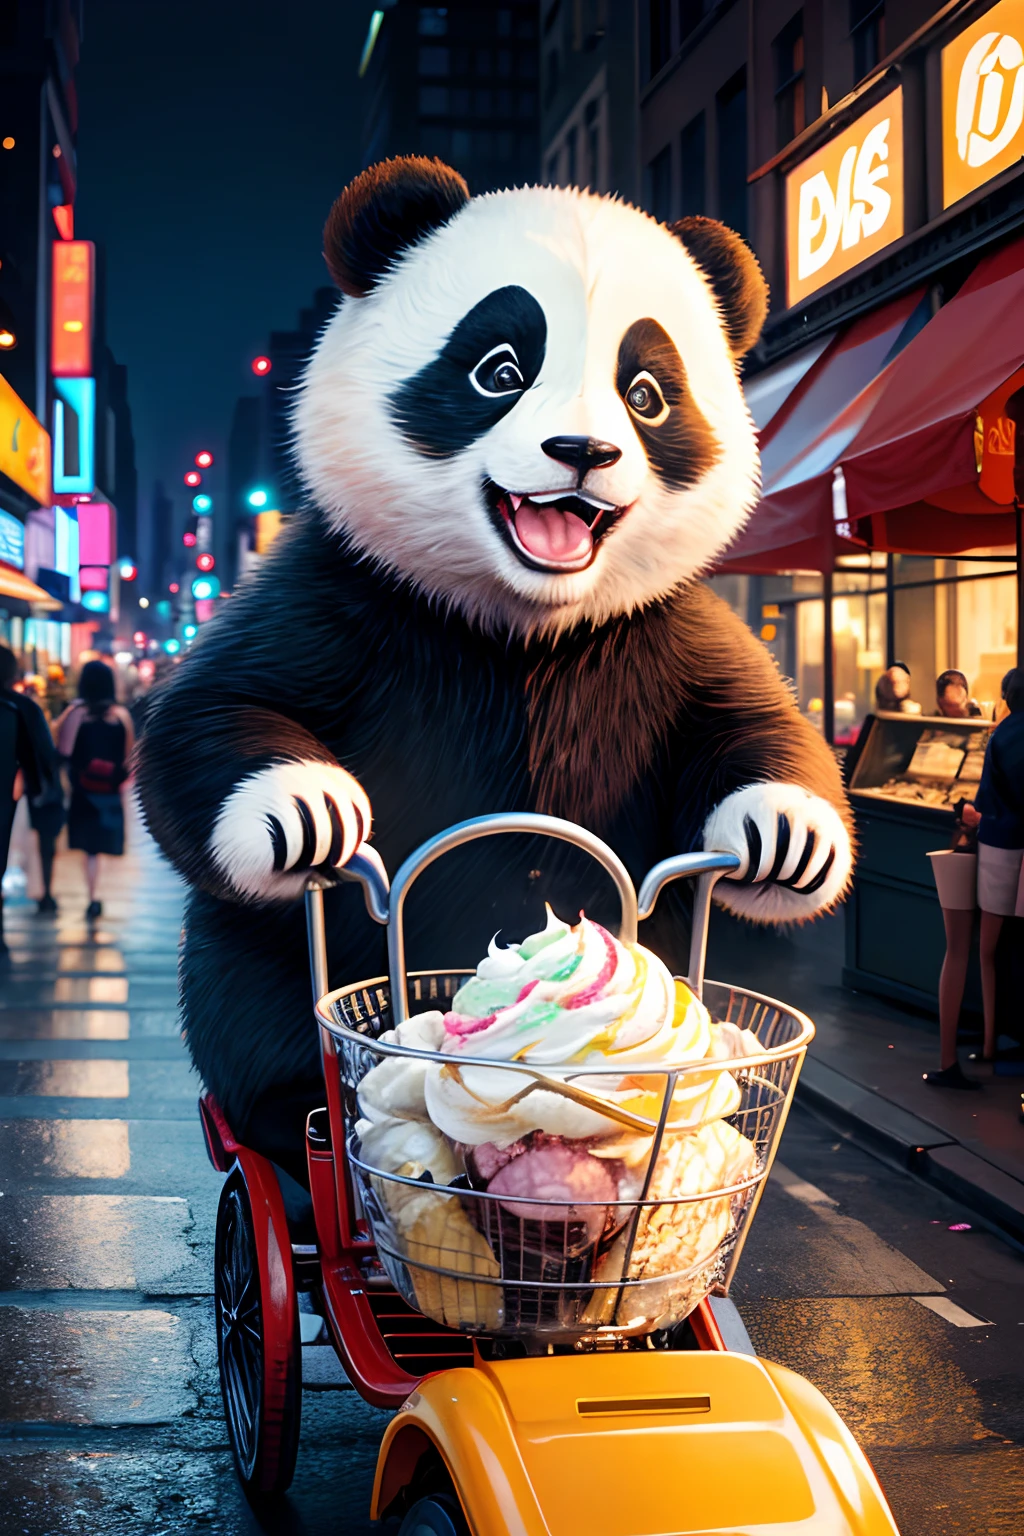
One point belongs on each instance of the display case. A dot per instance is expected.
(905, 776)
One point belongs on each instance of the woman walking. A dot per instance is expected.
(95, 738)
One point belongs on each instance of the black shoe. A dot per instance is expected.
(950, 1077)
(93, 911)
(46, 907)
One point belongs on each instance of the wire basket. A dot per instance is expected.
(636, 1259)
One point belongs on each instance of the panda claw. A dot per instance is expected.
(308, 852)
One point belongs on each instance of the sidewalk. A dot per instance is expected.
(864, 1069)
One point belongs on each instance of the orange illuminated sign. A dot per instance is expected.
(983, 100)
(71, 339)
(24, 446)
(845, 202)
(994, 438)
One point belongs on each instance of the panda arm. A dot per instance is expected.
(755, 777)
(239, 792)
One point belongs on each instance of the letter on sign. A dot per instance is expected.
(983, 100)
(845, 202)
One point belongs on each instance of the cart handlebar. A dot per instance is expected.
(386, 903)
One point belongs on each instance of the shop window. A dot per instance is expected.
(661, 33)
(592, 125)
(503, 103)
(484, 103)
(505, 20)
(692, 160)
(434, 100)
(505, 63)
(552, 75)
(867, 32)
(572, 167)
(659, 185)
(460, 102)
(790, 109)
(434, 61)
(484, 61)
(527, 103)
(692, 13)
(731, 113)
(433, 20)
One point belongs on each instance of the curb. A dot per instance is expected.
(914, 1144)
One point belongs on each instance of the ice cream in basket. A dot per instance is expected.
(567, 1141)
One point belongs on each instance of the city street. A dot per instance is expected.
(894, 1300)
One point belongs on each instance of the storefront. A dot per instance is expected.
(888, 528)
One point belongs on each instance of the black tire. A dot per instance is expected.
(438, 1515)
(264, 1434)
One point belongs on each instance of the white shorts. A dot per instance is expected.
(1000, 881)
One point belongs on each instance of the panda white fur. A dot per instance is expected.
(523, 437)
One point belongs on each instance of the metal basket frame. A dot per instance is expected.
(351, 1018)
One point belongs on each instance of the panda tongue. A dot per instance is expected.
(552, 535)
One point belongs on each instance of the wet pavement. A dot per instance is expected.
(110, 1418)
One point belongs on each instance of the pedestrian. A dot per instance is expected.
(952, 697)
(95, 738)
(892, 691)
(25, 745)
(1000, 799)
(955, 872)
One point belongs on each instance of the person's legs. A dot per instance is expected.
(951, 981)
(7, 809)
(92, 876)
(47, 853)
(991, 928)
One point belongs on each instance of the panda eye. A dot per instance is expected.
(645, 399)
(498, 372)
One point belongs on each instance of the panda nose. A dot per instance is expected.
(581, 453)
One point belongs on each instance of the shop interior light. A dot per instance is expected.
(261, 366)
(128, 571)
(8, 142)
(8, 340)
(193, 477)
(204, 459)
(202, 502)
(205, 562)
(143, 602)
(257, 498)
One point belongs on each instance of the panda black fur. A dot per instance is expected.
(403, 651)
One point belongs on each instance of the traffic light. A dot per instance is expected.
(204, 587)
(204, 459)
(191, 533)
(257, 498)
(139, 638)
(261, 366)
(190, 631)
(193, 477)
(202, 502)
(172, 646)
(127, 570)
(205, 562)
(174, 588)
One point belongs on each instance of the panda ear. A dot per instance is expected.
(386, 209)
(731, 268)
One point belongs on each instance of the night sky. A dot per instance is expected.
(213, 137)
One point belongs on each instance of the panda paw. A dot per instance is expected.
(794, 851)
(278, 824)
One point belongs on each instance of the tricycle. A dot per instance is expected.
(556, 1365)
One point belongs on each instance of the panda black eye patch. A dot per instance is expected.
(471, 384)
(679, 443)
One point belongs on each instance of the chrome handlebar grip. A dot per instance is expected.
(709, 869)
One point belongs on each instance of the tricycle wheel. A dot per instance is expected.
(439, 1515)
(258, 1352)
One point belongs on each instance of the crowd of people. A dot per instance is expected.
(71, 770)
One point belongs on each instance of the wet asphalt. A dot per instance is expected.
(110, 1418)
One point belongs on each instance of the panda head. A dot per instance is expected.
(527, 403)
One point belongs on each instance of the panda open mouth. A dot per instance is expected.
(551, 530)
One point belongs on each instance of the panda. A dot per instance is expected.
(523, 439)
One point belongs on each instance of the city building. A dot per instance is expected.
(872, 154)
(588, 109)
(459, 81)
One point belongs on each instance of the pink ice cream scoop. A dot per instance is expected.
(574, 1184)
